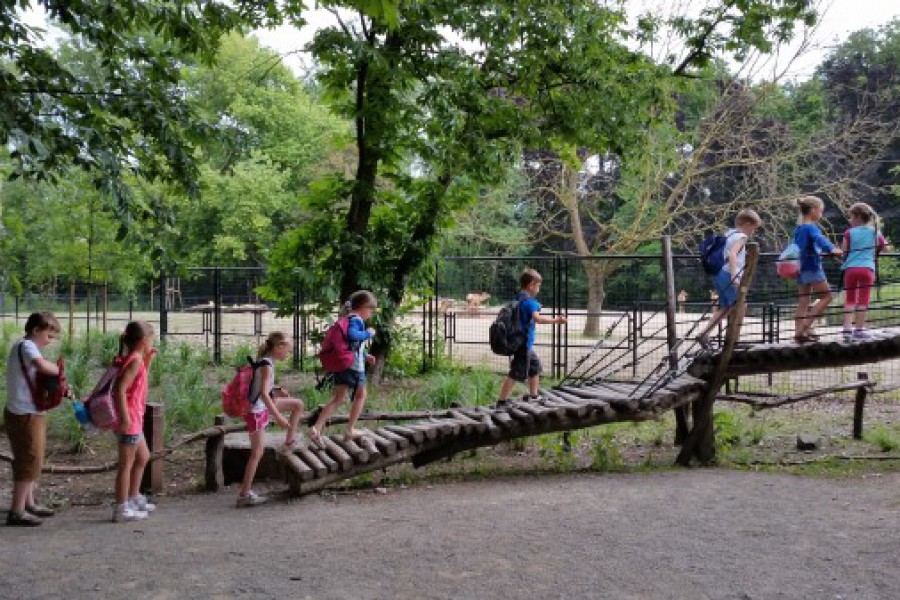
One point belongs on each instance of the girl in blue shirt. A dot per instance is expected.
(861, 245)
(361, 306)
(811, 280)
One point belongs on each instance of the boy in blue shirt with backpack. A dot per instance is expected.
(727, 279)
(525, 364)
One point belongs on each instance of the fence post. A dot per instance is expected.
(858, 407)
(163, 314)
(217, 316)
(297, 345)
(154, 422)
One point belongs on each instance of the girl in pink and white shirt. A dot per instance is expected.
(136, 354)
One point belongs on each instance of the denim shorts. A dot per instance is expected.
(351, 378)
(811, 277)
(726, 289)
(130, 439)
(524, 365)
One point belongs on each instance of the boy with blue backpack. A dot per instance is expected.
(525, 365)
(723, 258)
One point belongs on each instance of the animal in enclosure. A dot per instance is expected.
(475, 301)
(682, 298)
(446, 305)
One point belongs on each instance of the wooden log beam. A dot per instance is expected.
(766, 402)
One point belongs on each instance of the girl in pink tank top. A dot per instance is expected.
(136, 354)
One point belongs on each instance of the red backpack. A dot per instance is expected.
(236, 400)
(337, 354)
(47, 391)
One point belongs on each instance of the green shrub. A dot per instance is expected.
(886, 439)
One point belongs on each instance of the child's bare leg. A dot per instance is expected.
(849, 310)
(508, 384)
(141, 457)
(337, 398)
(824, 292)
(22, 495)
(359, 399)
(295, 407)
(257, 446)
(802, 307)
(533, 384)
(861, 314)
(123, 473)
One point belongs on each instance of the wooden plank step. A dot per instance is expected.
(318, 467)
(369, 447)
(385, 446)
(340, 456)
(401, 442)
(413, 436)
(300, 469)
(352, 448)
(326, 460)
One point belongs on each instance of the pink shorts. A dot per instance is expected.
(858, 282)
(256, 421)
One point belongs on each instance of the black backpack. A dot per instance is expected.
(506, 334)
(712, 252)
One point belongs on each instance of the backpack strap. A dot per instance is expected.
(255, 365)
(31, 385)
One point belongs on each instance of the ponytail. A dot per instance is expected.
(275, 339)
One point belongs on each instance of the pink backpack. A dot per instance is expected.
(101, 402)
(336, 354)
(236, 400)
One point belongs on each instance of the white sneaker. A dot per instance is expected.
(140, 503)
(124, 512)
(251, 499)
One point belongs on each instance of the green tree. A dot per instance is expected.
(435, 122)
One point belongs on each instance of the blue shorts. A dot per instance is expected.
(725, 288)
(351, 378)
(130, 439)
(811, 277)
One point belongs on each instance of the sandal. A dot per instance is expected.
(355, 434)
(801, 338)
(315, 436)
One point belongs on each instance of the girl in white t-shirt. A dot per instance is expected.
(269, 400)
(26, 426)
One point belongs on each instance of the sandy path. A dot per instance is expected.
(681, 534)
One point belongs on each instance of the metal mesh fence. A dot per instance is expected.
(615, 306)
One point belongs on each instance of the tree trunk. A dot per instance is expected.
(596, 278)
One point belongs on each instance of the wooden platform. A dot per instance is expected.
(761, 359)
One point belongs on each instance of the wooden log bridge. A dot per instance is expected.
(310, 469)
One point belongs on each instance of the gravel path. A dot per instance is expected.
(681, 534)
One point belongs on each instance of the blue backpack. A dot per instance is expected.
(712, 252)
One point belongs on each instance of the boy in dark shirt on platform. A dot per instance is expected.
(525, 365)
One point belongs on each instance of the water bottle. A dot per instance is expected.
(81, 413)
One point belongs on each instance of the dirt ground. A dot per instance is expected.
(690, 534)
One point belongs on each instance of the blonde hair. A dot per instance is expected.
(528, 277)
(806, 203)
(748, 216)
(40, 321)
(865, 213)
(275, 339)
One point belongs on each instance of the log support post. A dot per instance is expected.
(668, 266)
(215, 449)
(154, 425)
(859, 406)
(700, 442)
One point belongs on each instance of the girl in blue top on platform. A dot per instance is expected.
(861, 244)
(811, 280)
(361, 306)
